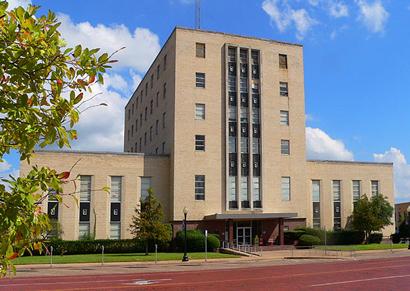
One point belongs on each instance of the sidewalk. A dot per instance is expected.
(268, 258)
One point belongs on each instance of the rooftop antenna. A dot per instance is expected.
(197, 14)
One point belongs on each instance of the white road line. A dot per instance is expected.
(360, 280)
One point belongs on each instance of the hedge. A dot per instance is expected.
(375, 238)
(341, 237)
(196, 241)
(308, 240)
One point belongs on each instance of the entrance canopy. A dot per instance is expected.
(226, 216)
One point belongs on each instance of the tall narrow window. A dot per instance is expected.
(232, 192)
(337, 222)
(200, 80)
(151, 106)
(255, 115)
(52, 206)
(145, 185)
(156, 127)
(256, 192)
(163, 147)
(285, 188)
(157, 100)
(316, 203)
(199, 111)
(244, 193)
(283, 61)
(115, 225)
(283, 88)
(356, 191)
(165, 62)
(163, 119)
(199, 187)
(200, 50)
(150, 134)
(375, 187)
(164, 91)
(152, 81)
(285, 147)
(85, 200)
(200, 142)
(158, 71)
(244, 145)
(232, 144)
(284, 117)
(145, 113)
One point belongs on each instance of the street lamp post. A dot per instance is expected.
(185, 257)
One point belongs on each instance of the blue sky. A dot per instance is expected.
(357, 65)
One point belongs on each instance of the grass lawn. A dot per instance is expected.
(131, 257)
(364, 247)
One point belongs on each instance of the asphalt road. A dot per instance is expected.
(376, 274)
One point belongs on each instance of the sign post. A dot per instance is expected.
(206, 245)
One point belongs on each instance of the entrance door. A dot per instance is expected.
(244, 235)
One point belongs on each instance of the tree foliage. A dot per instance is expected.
(372, 214)
(42, 86)
(147, 223)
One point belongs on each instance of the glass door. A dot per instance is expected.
(244, 235)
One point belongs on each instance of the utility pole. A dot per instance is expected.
(197, 14)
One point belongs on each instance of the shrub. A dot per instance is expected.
(339, 237)
(213, 242)
(375, 238)
(66, 247)
(292, 235)
(395, 238)
(195, 240)
(308, 240)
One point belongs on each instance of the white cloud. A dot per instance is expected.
(374, 16)
(284, 16)
(338, 9)
(4, 166)
(314, 2)
(320, 146)
(141, 46)
(101, 128)
(15, 3)
(401, 170)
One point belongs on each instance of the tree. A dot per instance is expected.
(147, 222)
(371, 214)
(42, 86)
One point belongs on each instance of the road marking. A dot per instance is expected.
(359, 280)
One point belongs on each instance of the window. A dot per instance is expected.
(165, 62)
(163, 119)
(255, 145)
(52, 206)
(375, 187)
(140, 143)
(337, 223)
(116, 187)
(85, 199)
(285, 188)
(285, 147)
(200, 142)
(255, 115)
(283, 86)
(244, 192)
(244, 145)
(136, 147)
(356, 190)
(163, 147)
(284, 117)
(115, 230)
(200, 80)
(156, 127)
(283, 61)
(129, 114)
(232, 113)
(132, 130)
(145, 114)
(146, 89)
(232, 188)
(140, 119)
(199, 187)
(151, 105)
(157, 100)
(244, 114)
(232, 144)
(145, 138)
(145, 185)
(316, 203)
(243, 85)
(136, 125)
(200, 50)
(199, 111)
(158, 70)
(164, 91)
(231, 83)
(150, 134)
(256, 192)
(152, 80)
